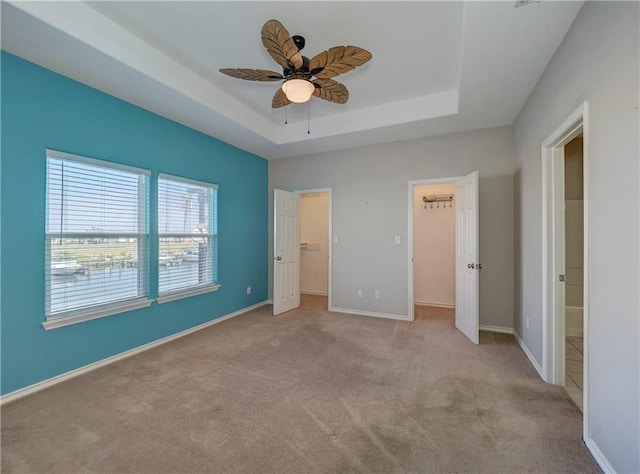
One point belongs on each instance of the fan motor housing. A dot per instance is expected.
(302, 71)
(299, 41)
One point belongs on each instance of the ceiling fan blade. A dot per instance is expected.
(331, 90)
(279, 99)
(280, 45)
(338, 60)
(252, 74)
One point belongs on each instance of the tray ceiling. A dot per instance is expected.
(437, 67)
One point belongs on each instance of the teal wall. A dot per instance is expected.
(41, 109)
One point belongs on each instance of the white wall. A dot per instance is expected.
(371, 206)
(434, 253)
(597, 62)
(314, 234)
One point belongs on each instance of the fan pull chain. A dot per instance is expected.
(285, 116)
(309, 118)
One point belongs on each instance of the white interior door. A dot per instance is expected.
(286, 252)
(467, 266)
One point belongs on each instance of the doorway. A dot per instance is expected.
(466, 238)
(315, 247)
(565, 266)
(574, 268)
(434, 257)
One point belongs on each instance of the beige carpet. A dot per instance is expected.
(308, 391)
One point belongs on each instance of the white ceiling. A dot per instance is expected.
(437, 67)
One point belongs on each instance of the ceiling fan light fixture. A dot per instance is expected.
(298, 71)
(298, 90)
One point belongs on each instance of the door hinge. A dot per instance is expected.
(562, 277)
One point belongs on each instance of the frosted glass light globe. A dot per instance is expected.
(298, 91)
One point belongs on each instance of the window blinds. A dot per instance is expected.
(187, 231)
(96, 233)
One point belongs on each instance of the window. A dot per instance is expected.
(96, 239)
(187, 231)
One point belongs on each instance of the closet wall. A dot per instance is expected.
(574, 222)
(314, 245)
(434, 246)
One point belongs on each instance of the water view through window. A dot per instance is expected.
(186, 234)
(86, 287)
(89, 271)
(96, 234)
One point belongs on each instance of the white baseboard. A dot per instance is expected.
(436, 305)
(311, 292)
(36, 387)
(501, 329)
(529, 355)
(598, 456)
(401, 317)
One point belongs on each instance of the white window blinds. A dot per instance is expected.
(96, 236)
(187, 232)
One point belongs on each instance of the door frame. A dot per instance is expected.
(553, 251)
(328, 191)
(412, 185)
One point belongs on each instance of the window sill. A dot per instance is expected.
(187, 293)
(87, 314)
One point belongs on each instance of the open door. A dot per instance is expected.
(467, 266)
(286, 252)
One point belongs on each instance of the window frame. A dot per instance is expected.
(199, 289)
(87, 313)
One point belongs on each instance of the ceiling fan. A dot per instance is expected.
(298, 70)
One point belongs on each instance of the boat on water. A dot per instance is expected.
(66, 267)
(166, 260)
(191, 255)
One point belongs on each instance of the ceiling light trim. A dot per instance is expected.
(430, 106)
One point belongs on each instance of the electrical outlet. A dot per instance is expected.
(397, 239)
(526, 321)
(248, 290)
(335, 239)
(359, 293)
(376, 294)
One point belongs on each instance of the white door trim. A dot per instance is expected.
(328, 191)
(553, 252)
(412, 184)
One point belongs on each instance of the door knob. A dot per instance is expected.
(471, 265)
(278, 257)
